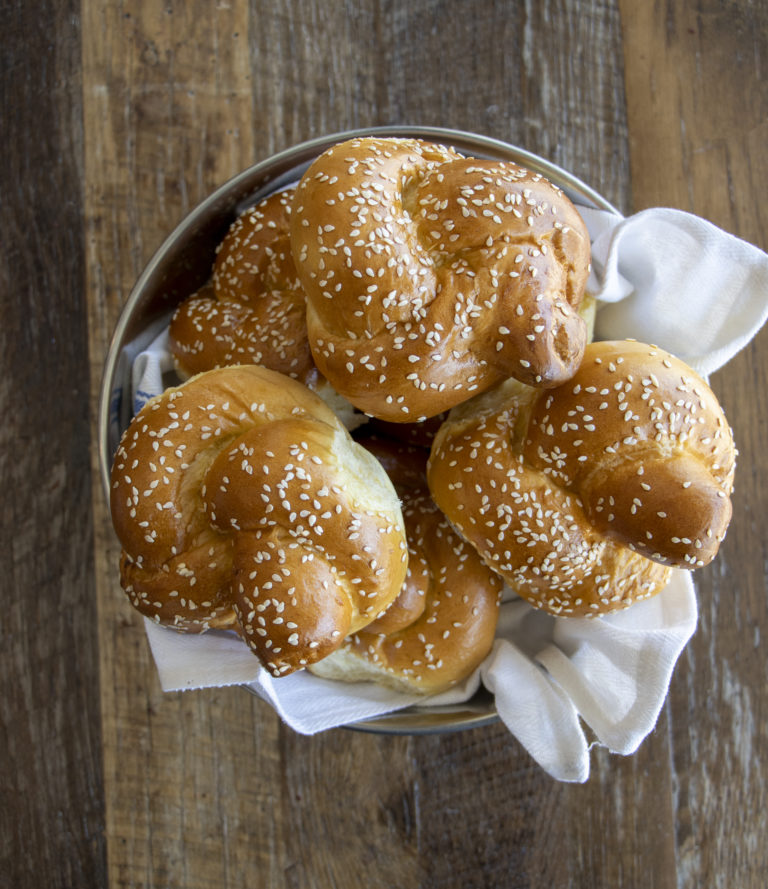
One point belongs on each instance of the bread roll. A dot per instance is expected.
(430, 276)
(442, 624)
(241, 501)
(582, 495)
(253, 311)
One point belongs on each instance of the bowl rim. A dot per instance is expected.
(416, 719)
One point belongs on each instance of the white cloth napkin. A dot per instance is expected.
(673, 279)
(661, 276)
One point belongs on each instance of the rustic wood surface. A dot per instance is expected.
(117, 119)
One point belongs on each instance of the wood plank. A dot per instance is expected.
(697, 136)
(51, 791)
(165, 86)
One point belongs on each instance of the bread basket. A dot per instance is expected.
(183, 263)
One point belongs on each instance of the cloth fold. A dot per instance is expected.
(673, 279)
(660, 276)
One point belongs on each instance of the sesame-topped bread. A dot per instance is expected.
(580, 496)
(241, 501)
(253, 310)
(442, 624)
(431, 277)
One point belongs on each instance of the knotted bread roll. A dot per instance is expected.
(241, 501)
(581, 495)
(253, 311)
(430, 276)
(442, 624)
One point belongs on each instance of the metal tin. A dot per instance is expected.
(183, 263)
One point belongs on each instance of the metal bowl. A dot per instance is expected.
(183, 263)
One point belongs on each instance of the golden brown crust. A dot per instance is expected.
(240, 500)
(578, 496)
(442, 625)
(253, 311)
(430, 277)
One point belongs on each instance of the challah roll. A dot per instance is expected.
(253, 311)
(241, 501)
(442, 624)
(580, 496)
(430, 276)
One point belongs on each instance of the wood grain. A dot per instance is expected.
(51, 792)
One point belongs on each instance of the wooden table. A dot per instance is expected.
(117, 118)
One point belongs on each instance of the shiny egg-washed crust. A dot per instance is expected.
(241, 501)
(442, 625)
(430, 276)
(253, 311)
(581, 496)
